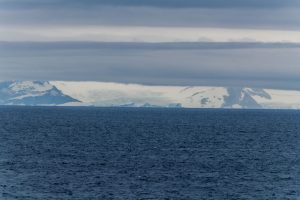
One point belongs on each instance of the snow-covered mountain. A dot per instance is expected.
(31, 93)
(64, 93)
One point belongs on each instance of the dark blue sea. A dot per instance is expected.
(127, 153)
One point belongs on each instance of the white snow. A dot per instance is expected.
(118, 94)
(29, 89)
(27, 95)
(280, 99)
(115, 94)
(30, 85)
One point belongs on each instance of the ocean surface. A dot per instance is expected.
(128, 153)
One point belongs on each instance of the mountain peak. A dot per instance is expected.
(31, 93)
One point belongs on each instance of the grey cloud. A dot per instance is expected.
(153, 3)
(281, 18)
(248, 64)
(6, 47)
(167, 64)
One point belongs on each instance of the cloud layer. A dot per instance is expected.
(210, 42)
(155, 3)
(247, 64)
(145, 34)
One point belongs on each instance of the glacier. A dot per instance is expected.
(105, 94)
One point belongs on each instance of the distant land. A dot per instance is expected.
(103, 94)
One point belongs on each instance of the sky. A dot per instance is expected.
(155, 42)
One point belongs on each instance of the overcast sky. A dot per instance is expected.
(173, 42)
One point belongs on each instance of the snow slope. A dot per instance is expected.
(32, 93)
(64, 93)
(134, 95)
(115, 94)
(280, 99)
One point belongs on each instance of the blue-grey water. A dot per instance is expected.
(126, 153)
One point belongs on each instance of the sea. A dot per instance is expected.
(148, 153)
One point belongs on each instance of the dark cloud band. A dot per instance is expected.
(155, 3)
(261, 65)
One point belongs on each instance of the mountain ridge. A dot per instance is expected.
(31, 93)
(103, 94)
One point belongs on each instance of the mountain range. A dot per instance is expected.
(103, 94)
